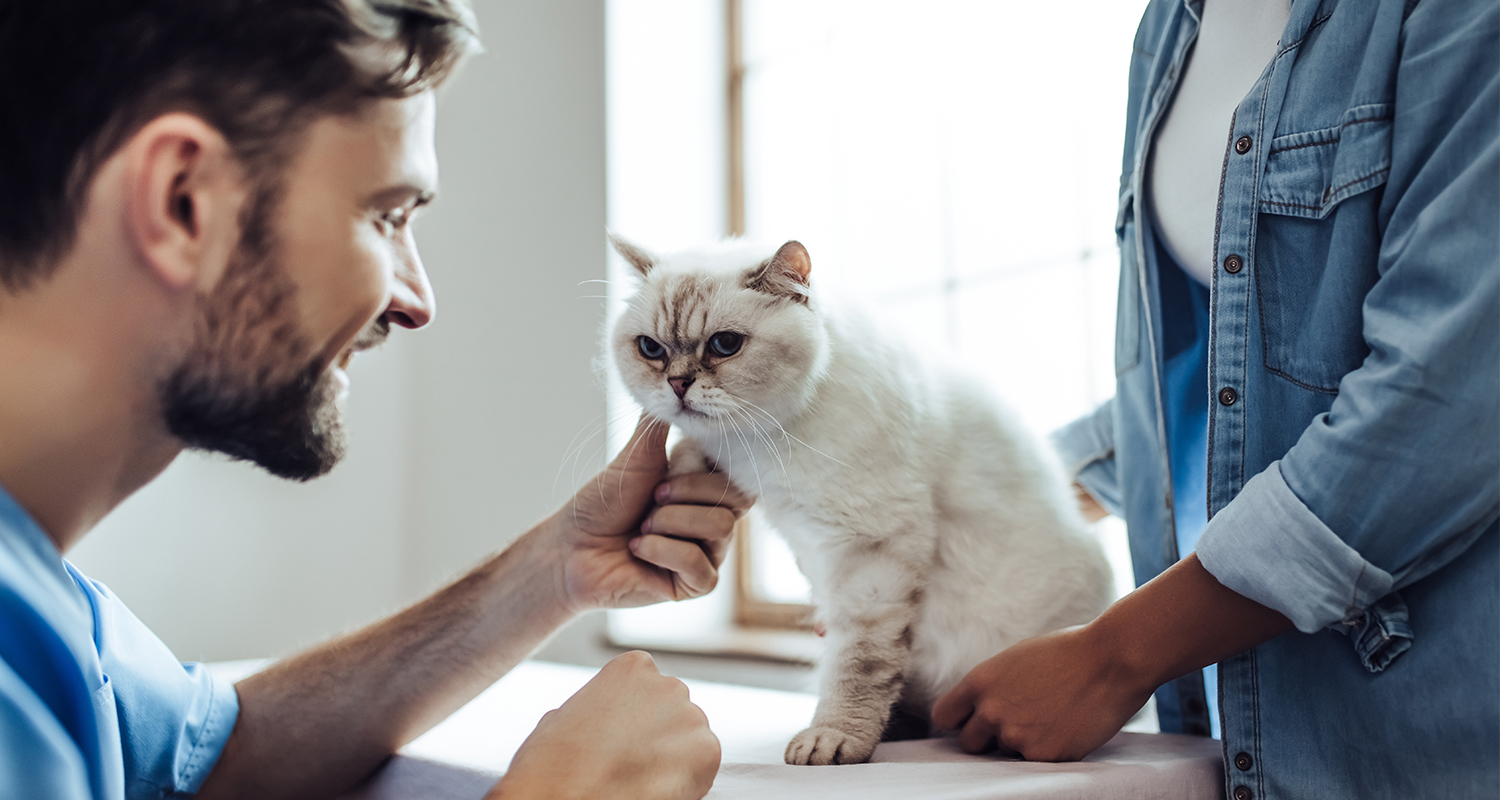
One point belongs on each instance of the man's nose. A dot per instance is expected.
(680, 384)
(413, 304)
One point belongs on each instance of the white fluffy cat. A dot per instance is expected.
(934, 530)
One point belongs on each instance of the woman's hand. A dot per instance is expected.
(1089, 507)
(1059, 696)
(1050, 698)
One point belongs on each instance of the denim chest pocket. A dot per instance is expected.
(1317, 245)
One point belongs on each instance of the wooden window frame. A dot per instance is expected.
(750, 609)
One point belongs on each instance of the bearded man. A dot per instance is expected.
(205, 212)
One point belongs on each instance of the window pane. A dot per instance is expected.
(957, 164)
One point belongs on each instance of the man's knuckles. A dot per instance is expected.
(703, 488)
(699, 522)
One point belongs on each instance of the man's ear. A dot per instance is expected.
(184, 189)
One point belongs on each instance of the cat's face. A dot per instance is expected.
(721, 339)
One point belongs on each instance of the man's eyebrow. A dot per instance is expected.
(400, 196)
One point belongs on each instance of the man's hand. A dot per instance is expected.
(629, 732)
(1059, 696)
(1051, 698)
(316, 724)
(632, 537)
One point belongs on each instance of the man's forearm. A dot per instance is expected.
(317, 723)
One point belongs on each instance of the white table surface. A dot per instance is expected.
(463, 756)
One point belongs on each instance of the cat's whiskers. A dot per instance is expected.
(578, 442)
(762, 434)
(591, 462)
(652, 422)
(749, 451)
(581, 440)
(719, 460)
(784, 432)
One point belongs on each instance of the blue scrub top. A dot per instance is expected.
(92, 705)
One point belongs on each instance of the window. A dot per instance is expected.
(955, 163)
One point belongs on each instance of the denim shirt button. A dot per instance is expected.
(1243, 762)
(1227, 396)
(1233, 264)
(1242, 144)
(1243, 793)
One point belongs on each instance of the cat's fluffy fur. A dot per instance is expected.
(933, 529)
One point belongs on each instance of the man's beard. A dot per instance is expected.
(250, 385)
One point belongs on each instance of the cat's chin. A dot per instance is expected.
(694, 422)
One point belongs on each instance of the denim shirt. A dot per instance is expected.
(1353, 456)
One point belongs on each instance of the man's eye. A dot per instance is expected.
(392, 221)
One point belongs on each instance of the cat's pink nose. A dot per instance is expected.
(680, 385)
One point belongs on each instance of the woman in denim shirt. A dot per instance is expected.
(1344, 428)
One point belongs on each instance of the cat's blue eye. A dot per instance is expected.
(649, 347)
(726, 343)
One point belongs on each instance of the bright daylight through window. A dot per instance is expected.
(958, 176)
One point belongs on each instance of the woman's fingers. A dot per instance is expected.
(977, 736)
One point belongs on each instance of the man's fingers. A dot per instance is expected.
(685, 559)
(709, 527)
(647, 448)
(692, 522)
(704, 489)
(632, 661)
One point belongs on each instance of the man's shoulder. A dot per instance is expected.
(38, 756)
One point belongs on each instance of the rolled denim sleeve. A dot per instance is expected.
(1329, 580)
(1402, 474)
(1087, 449)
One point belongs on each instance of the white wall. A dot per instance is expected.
(506, 376)
(457, 432)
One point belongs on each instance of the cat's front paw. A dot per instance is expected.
(824, 746)
(688, 458)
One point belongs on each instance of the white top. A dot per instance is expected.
(1236, 40)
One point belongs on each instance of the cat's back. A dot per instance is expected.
(882, 367)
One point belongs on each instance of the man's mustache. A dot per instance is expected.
(373, 335)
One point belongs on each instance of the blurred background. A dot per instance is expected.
(954, 162)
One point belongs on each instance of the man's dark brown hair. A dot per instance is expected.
(79, 77)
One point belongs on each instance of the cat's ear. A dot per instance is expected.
(784, 274)
(638, 258)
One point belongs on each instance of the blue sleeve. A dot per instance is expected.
(1087, 449)
(38, 758)
(174, 718)
(1402, 474)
